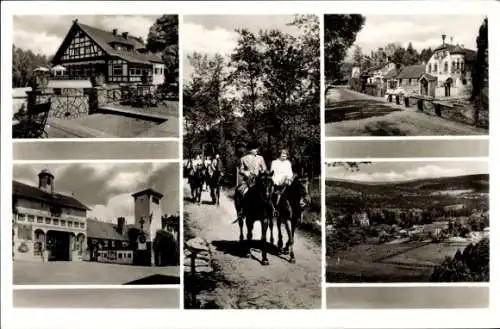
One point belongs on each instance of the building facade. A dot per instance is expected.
(47, 224)
(110, 57)
(50, 226)
(450, 67)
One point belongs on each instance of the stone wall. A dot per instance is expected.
(67, 106)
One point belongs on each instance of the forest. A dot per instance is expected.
(266, 90)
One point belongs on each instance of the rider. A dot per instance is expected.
(282, 174)
(217, 164)
(250, 166)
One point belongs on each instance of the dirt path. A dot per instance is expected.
(248, 284)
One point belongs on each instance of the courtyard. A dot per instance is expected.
(81, 272)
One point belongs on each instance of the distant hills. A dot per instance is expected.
(478, 183)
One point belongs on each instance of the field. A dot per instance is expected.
(429, 255)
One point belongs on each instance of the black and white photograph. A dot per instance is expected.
(98, 298)
(95, 76)
(407, 221)
(252, 205)
(95, 223)
(406, 75)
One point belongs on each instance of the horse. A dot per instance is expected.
(290, 210)
(257, 207)
(196, 178)
(213, 178)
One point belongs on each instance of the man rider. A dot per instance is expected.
(217, 165)
(250, 166)
(282, 174)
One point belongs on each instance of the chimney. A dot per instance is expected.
(115, 32)
(444, 37)
(121, 225)
(125, 35)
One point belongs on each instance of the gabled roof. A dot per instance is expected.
(104, 230)
(469, 54)
(429, 77)
(148, 191)
(411, 72)
(104, 39)
(30, 192)
(392, 74)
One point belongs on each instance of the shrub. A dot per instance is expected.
(471, 265)
(23, 248)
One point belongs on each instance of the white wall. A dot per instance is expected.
(159, 78)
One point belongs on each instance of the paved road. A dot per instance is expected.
(34, 272)
(248, 284)
(350, 113)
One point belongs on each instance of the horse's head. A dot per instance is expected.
(303, 186)
(265, 183)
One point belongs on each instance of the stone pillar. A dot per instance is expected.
(93, 100)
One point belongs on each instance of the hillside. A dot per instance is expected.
(420, 193)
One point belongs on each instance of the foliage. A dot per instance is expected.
(23, 64)
(480, 72)
(339, 35)
(471, 265)
(269, 92)
(23, 247)
(163, 37)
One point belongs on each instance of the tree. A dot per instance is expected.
(391, 48)
(357, 56)
(246, 60)
(480, 72)
(426, 54)
(23, 64)
(339, 34)
(163, 37)
(379, 57)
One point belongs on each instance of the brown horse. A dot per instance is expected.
(290, 210)
(257, 206)
(196, 177)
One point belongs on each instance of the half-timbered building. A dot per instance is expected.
(109, 56)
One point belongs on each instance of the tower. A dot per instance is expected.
(147, 214)
(46, 181)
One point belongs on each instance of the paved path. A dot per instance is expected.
(248, 284)
(349, 113)
(81, 272)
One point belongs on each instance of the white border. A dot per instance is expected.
(55, 318)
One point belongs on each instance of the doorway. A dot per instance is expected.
(58, 246)
(447, 87)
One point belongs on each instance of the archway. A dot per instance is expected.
(447, 87)
(424, 87)
(80, 243)
(58, 245)
(39, 243)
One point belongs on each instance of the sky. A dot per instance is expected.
(45, 33)
(213, 34)
(106, 188)
(403, 171)
(422, 31)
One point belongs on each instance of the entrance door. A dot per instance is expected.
(58, 246)
(424, 87)
(447, 87)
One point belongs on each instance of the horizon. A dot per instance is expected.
(398, 181)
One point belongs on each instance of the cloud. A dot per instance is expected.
(421, 31)
(426, 171)
(200, 39)
(121, 205)
(45, 33)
